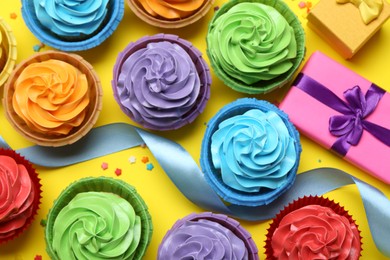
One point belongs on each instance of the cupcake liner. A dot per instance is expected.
(102, 184)
(35, 180)
(115, 15)
(93, 109)
(299, 203)
(212, 175)
(263, 86)
(200, 64)
(139, 11)
(227, 222)
(8, 46)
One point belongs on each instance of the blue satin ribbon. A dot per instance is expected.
(189, 179)
(348, 126)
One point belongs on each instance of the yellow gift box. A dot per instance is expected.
(343, 26)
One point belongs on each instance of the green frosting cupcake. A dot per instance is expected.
(98, 218)
(255, 46)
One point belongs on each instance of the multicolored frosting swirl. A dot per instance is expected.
(252, 42)
(51, 97)
(171, 9)
(253, 151)
(159, 85)
(71, 17)
(315, 232)
(202, 239)
(96, 225)
(16, 196)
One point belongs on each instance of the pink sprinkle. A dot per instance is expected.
(302, 4)
(145, 159)
(38, 257)
(118, 171)
(104, 166)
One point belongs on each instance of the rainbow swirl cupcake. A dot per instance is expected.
(170, 14)
(116, 225)
(53, 98)
(20, 194)
(250, 152)
(255, 46)
(72, 25)
(161, 82)
(207, 236)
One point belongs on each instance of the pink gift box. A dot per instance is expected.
(311, 103)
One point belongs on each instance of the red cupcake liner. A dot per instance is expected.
(37, 190)
(299, 203)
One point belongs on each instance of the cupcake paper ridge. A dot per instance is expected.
(9, 49)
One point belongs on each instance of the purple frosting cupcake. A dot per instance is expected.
(207, 236)
(161, 82)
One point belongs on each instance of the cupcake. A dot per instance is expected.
(171, 14)
(313, 228)
(8, 51)
(161, 82)
(72, 25)
(250, 152)
(207, 236)
(20, 194)
(116, 225)
(53, 98)
(255, 46)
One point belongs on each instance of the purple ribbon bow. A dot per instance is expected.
(348, 126)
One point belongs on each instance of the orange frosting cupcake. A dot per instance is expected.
(51, 97)
(171, 9)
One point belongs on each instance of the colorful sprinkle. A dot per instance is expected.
(13, 15)
(118, 171)
(104, 166)
(132, 159)
(143, 145)
(216, 8)
(37, 47)
(145, 159)
(38, 257)
(43, 222)
(149, 166)
(319, 160)
(302, 4)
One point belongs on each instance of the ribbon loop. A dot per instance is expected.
(369, 9)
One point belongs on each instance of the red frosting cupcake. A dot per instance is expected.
(313, 228)
(20, 193)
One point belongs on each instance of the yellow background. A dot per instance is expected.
(166, 203)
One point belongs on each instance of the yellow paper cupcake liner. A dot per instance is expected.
(9, 51)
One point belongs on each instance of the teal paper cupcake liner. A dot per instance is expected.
(114, 16)
(102, 184)
(213, 175)
(263, 86)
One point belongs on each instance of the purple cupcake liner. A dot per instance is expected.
(229, 223)
(200, 65)
(115, 15)
(212, 175)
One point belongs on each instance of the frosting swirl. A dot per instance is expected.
(252, 42)
(16, 196)
(171, 9)
(253, 151)
(51, 97)
(202, 239)
(315, 232)
(159, 85)
(107, 228)
(71, 17)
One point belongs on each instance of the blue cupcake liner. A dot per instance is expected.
(115, 15)
(212, 175)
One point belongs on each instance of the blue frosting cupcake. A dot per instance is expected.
(72, 25)
(250, 152)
